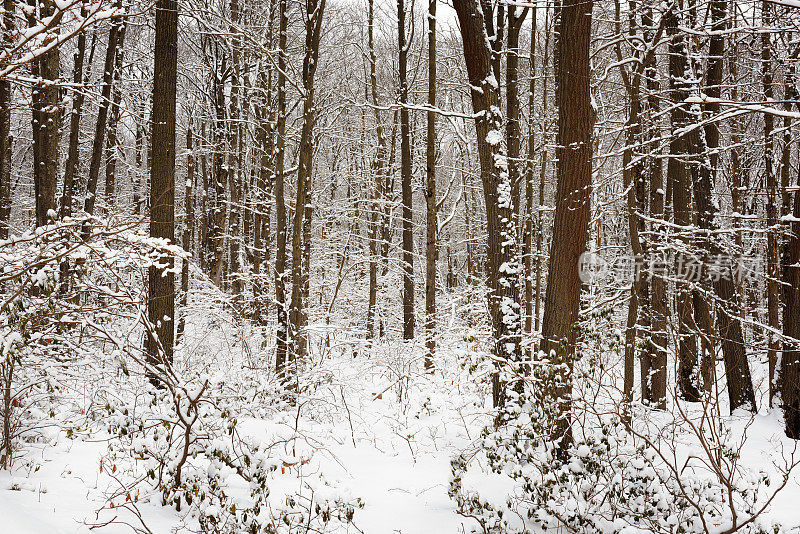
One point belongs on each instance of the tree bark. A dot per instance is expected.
(102, 116)
(431, 252)
(405, 178)
(46, 126)
(69, 191)
(282, 315)
(161, 286)
(681, 199)
(188, 234)
(574, 182)
(301, 234)
(9, 7)
(502, 259)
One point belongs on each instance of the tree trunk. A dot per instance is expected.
(790, 361)
(102, 116)
(73, 153)
(513, 135)
(773, 268)
(46, 126)
(161, 286)
(188, 234)
(301, 231)
(282, 330)
(529, 183)
(574, 182)
(405, 178)
(431, 252)
(113, 121)
(5, 124)
(681, 200)
(379, 164)
(502, 259)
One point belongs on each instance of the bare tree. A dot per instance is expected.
(405, 176)
(502, 260)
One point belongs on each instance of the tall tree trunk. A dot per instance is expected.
(502, 257)
(574, 182)
(73, 153)
(161, 286)
(220, 173)
(282, 330)
(773, 269)
(236, 164)
(188, 234)
(537, 302)
(513, 135)
(737, 367)
(658, 300)
(379, 168)
(46, 125)
(681, 200)
(790, 360)
(301, 234)
(529, 182)
(431, 252)
(9, 7)
(405, 177)
(102, 115)
(113, 121)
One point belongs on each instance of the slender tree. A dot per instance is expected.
(431, 251)
(405, 176)
(7, 21)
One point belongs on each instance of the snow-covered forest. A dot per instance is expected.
(398, 266)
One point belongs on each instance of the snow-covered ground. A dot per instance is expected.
(377, 430)
(374, 429)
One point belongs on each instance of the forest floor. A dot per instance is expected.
(375, 429)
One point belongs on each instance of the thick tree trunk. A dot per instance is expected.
(790, 361)
(681, 199)
(161, 286)
(46, 125)
(737, 367)
(574, 177)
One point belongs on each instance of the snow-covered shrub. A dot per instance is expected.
(630, 469)
(186, 440)
(64, 293)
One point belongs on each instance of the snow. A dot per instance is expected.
(392, 451)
